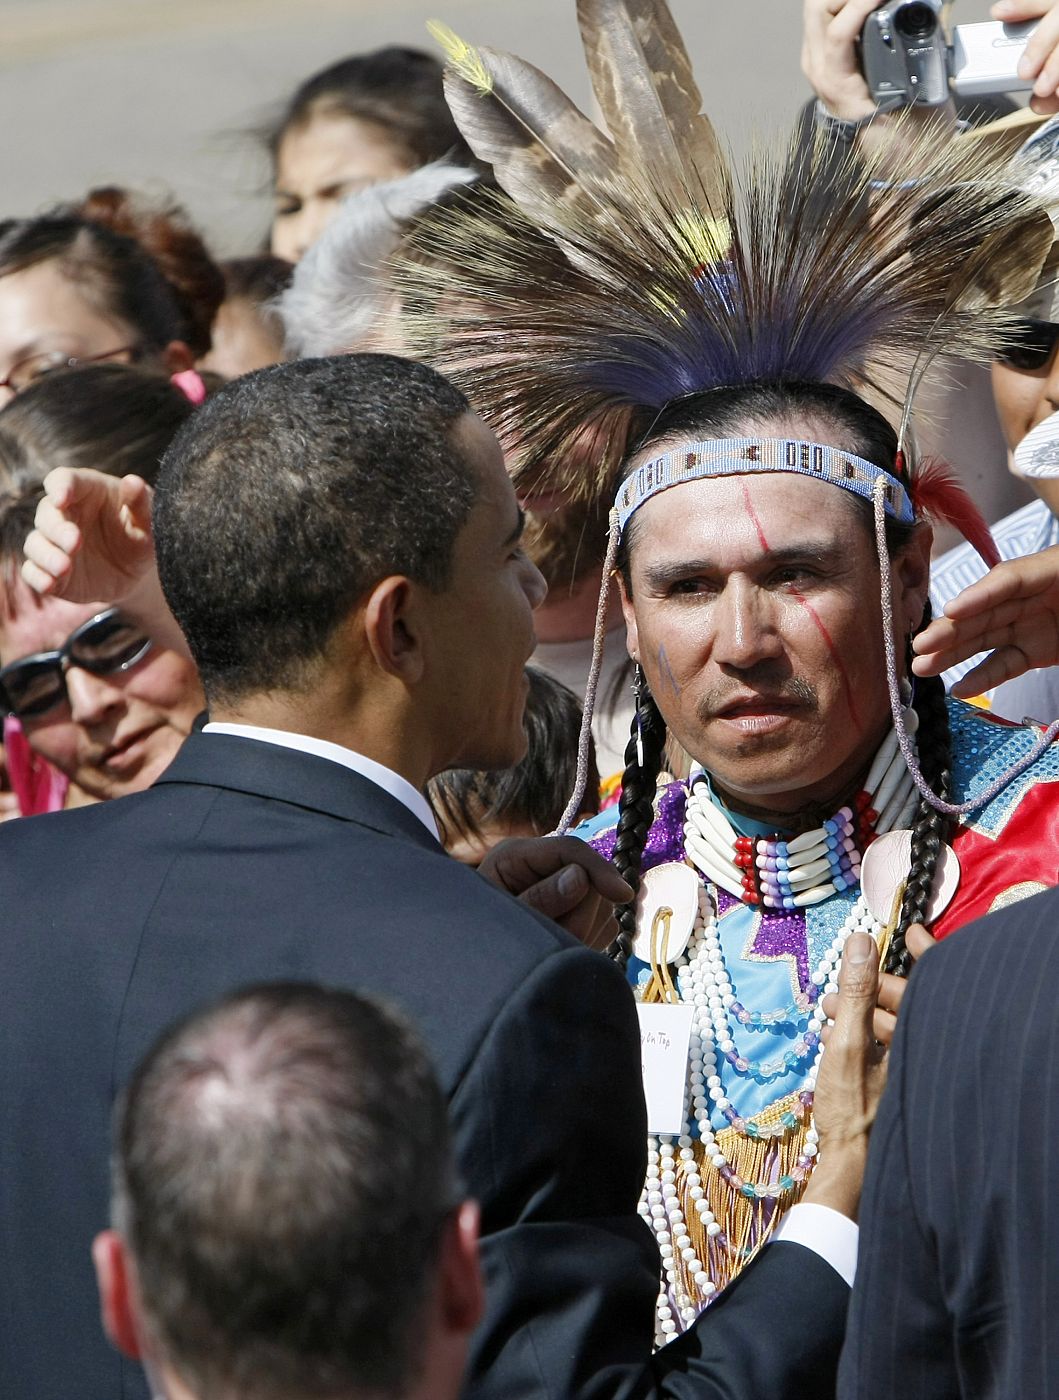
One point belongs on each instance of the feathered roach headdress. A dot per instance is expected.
(681, 277)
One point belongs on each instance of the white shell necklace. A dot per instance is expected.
(779, 874)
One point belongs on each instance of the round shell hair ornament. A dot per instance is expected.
(885, 868)
(673, 887)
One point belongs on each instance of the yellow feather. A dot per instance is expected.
(709, 239)
(464, 58)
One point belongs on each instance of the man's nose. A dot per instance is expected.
(744, 627)
(92, 698)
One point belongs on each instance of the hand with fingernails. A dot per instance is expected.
(1012, 613)
(852, 1072)
(564, 879)
(92, 542)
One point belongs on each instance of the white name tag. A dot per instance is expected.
(665, 1040)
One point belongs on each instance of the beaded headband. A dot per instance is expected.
(735, 456)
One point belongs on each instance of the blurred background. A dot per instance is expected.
(165, 95)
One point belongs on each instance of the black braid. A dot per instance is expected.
(934, 742)
(636, 809)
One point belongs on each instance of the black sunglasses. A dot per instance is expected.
(1029, 346)
(104, 644)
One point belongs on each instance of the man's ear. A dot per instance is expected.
(460, 1288)
(117, 1303)
(393, 628)
(912, 575)
(632, 635)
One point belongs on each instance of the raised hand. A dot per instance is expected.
(830, 60)
(92, 543)
(91, 540)
(1013, 613)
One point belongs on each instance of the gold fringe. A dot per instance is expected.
(747, 1223)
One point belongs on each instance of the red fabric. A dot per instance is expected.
(1025, 852)
(38, 786)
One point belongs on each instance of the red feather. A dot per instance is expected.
(937, 491)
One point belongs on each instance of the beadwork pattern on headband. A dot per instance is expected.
(698, 461)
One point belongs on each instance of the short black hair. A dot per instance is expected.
(294, 491)
(282, 1176)
(535, 791)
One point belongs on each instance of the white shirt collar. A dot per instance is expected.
(376, 773)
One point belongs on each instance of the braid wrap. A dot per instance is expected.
(636, 809)
(929, 830)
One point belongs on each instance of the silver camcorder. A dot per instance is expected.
(909, 60)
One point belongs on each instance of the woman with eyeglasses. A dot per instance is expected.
(93, 706)
(111, 280)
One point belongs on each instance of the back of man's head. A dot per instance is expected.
(284, 1189)
(290, 494)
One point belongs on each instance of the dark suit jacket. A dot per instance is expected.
(248, 861)
(958, 1275)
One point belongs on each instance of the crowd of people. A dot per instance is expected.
(528, 854)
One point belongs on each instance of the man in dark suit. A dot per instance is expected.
(339, 542)
(958, 1281)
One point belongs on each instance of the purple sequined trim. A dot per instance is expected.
(784, 936)
(665, 840)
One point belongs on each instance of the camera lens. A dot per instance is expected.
(915, 21)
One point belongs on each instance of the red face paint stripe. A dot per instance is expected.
(854, 716)
(753, 516)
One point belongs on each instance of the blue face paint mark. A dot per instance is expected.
(666, 672)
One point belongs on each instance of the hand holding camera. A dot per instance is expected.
(909, 60)
(862, 57)
(831, 59)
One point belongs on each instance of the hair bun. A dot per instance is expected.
(164, 231)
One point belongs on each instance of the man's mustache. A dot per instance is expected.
(794, 689)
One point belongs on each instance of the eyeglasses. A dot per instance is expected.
(1030, 345)
(104, 644)
(34, 367)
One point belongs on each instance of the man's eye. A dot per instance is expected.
(685, 586)
(795, 573)
(284, 210)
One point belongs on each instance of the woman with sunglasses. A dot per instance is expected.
(94, 706)
(93, 695)
(112, 279)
